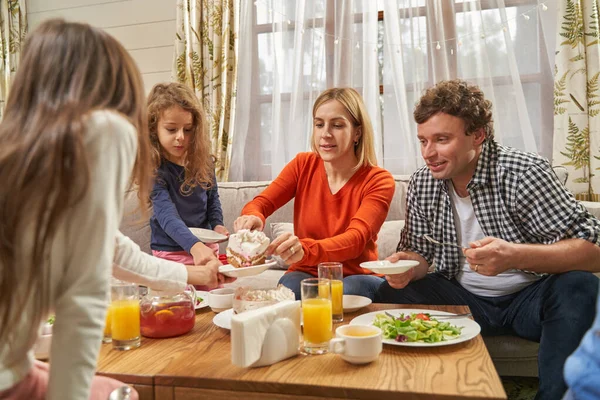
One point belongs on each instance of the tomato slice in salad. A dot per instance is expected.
(422, 316)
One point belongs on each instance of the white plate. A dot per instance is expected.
(231, 271)
(204, 303)
(469, 331)
(389, 268)
(353, 302)
(208, 236)
(223, 319)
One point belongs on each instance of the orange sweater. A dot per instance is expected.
(339, 227)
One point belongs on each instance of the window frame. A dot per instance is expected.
(449, 9)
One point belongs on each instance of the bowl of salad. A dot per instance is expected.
(41, 348)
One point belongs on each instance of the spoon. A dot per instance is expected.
(466, 315)
(432, 240)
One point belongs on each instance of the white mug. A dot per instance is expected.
(220, 299)
(357, 344)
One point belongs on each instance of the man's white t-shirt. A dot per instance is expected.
(468, 230)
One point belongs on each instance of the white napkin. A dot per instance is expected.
(266, 335)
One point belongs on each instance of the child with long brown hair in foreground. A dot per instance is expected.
(72, 140)
(185, 192)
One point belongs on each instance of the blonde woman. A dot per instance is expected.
(72, 140)
(341, 197)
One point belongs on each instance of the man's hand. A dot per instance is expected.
(491, 256)
(202, 254)
(251, 222)
(399, 281)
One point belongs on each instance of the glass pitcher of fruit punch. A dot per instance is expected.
(167, 314)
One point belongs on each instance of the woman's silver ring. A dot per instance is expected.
(292, 250)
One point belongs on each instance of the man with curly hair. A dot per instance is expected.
(528, 247)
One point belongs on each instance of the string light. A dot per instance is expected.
(525, 16)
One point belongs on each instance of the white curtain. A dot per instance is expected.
(290, 51)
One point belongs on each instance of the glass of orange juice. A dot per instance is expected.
(316, 313)
(124, 314)
(335, 273)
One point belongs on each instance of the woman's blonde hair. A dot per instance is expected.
(199, 165)
(67, 70)
(354, 105)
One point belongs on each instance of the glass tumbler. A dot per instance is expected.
(335, 273)
(316, 314)
(124, 316)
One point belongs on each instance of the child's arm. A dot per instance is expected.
(214, 212)
(168, 218)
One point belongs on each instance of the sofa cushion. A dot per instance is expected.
(387, 239)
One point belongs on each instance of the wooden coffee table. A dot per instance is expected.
(198, 366)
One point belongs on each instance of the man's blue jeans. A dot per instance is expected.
(555, 311)
(362, 285)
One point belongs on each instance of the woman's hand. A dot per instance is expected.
(221, 229)
(251, 222)
(202, 254)
(288, 247)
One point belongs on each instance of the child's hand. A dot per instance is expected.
(222, 230)
(202, 254)
(248, 222)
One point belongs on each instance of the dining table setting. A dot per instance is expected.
(263, 344)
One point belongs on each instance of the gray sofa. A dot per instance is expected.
(512, 356)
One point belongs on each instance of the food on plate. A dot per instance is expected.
(245, 299)
(416, 328)
(246, 248)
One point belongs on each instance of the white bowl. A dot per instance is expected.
(389, 268)
(220, 299)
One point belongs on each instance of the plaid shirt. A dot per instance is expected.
(516, 196)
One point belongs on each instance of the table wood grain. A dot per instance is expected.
(198, 365)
